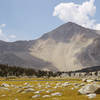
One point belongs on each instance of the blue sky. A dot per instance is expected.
(29, 19)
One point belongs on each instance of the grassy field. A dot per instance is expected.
(17, 87)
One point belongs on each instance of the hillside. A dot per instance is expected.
(69, 47)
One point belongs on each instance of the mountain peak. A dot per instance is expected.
(65, 32)
(72, 24)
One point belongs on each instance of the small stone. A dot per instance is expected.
(26, 83)
(72, 88)
(89, 81)
(3, 95)
(37, 92)
(4, 85)
(84, 80)
(28, 90)
(90, 96)
(66, 84)
(35, 96)
(16, 99)
(56, 94)
(46, 96)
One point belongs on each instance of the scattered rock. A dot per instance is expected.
(37, 92)
(28, 90)
(3, 95)
(16, 99)
(26, 87)
(4, 85)
(89, 80)
(90, 96)
(89, 88)
(35, 96)
(56, 94)
(82, 84)
(46, 96)
(72, 88)
(84, 80)
(66, 84)
(56, 87)
(26, 83)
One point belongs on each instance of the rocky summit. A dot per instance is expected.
(69, 47)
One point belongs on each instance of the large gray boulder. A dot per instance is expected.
(89, 89)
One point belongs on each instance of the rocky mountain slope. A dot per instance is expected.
(67, 48)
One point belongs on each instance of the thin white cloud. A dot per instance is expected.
(81, 14)
(12, 36)
(2, 25)
(3, 36)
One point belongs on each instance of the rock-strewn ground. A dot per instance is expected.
(51, 89)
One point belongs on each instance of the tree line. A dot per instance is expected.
(6, 70)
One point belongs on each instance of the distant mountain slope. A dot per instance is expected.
(67, 48)
(90, 69)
